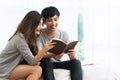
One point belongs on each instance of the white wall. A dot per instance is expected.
(12, 12)
(101, 20)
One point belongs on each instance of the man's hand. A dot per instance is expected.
(72, 54)
(59, 56)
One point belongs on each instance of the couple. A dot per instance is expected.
(22, 46)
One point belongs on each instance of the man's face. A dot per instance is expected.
(52, 22)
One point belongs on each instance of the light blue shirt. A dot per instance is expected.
(43, 38)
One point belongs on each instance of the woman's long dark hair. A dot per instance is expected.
(27, 27)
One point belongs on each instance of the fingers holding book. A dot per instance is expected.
(60, 46)
(72, 53)
(49, 45)
(59, 56)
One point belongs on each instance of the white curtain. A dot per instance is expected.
(101, 22)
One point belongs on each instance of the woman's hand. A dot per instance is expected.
(42, 51)
(49, 45)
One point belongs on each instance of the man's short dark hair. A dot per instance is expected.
(50, 12)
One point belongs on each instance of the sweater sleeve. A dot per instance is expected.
(24, 50)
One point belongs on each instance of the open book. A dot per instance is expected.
(61, 46)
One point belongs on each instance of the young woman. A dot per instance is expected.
(18, 49)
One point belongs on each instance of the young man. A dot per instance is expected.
(52, 61)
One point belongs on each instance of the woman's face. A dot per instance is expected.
(38, 29)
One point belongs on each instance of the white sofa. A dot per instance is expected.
(90, 72)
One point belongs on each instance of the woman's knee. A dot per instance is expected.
(37, 70)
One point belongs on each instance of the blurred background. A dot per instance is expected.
(95, 23)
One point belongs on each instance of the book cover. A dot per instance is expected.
(61, 46)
